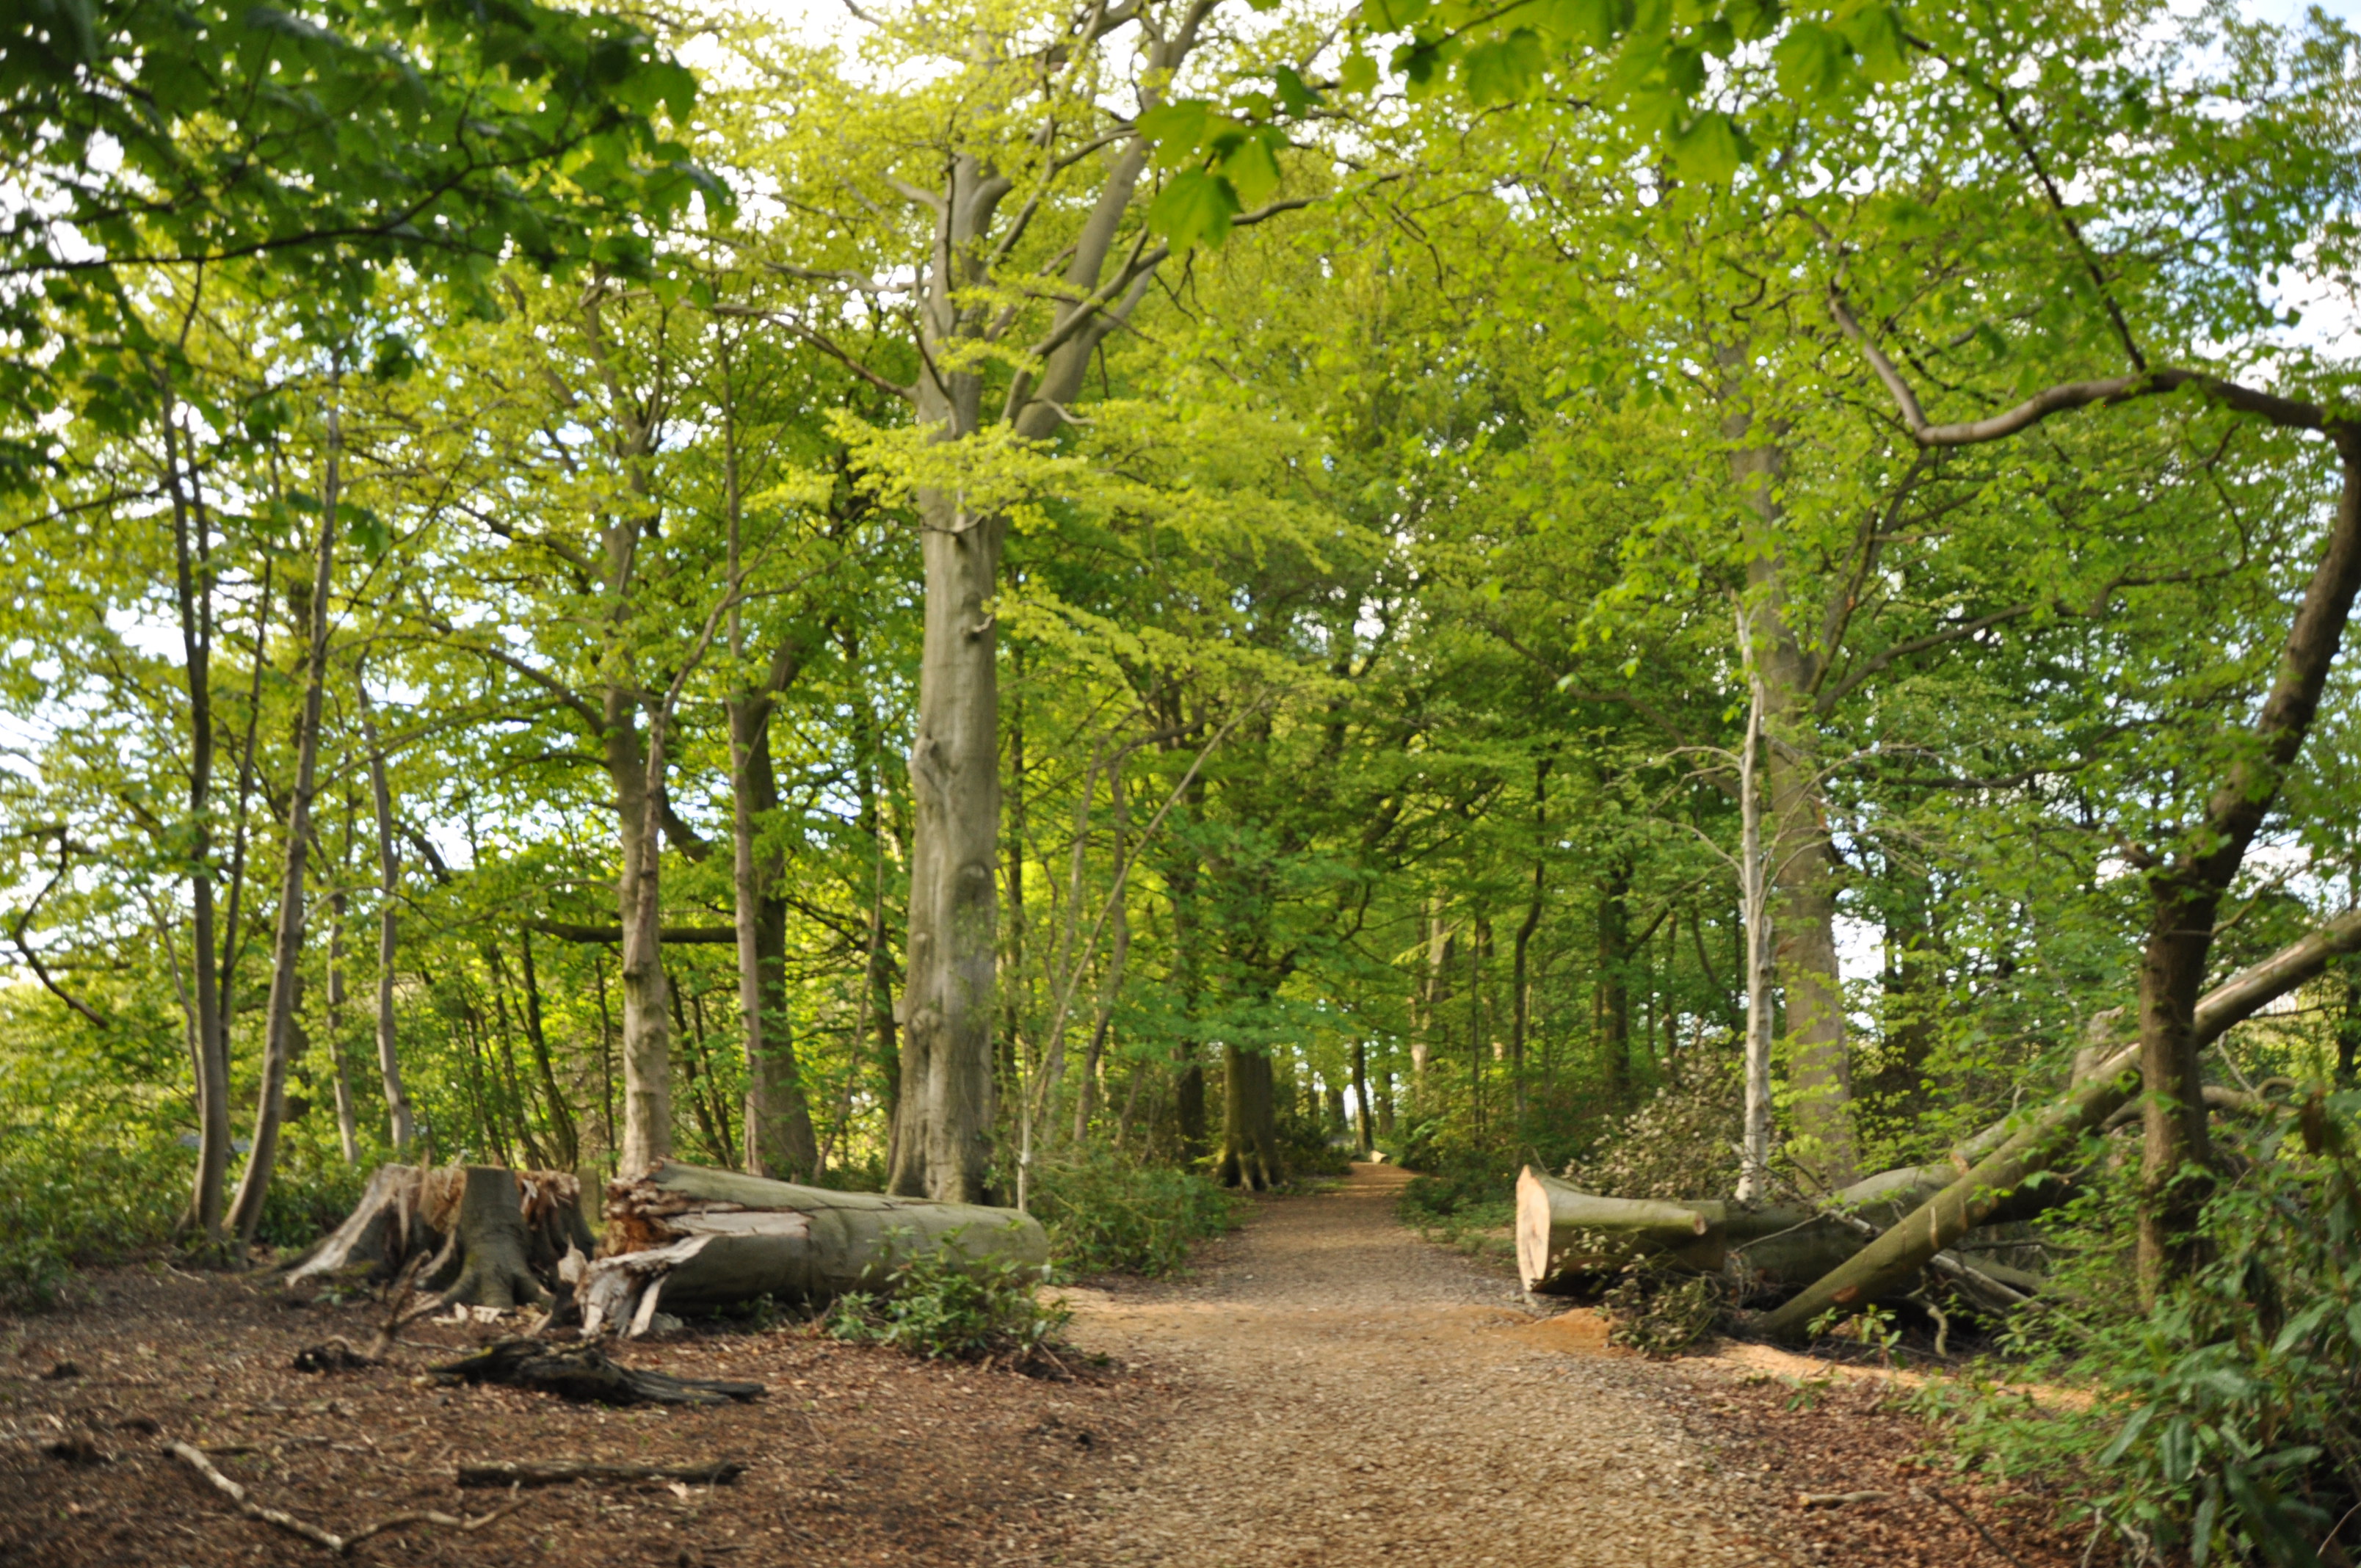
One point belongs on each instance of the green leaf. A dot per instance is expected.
(1358, 74)
(1295, 94)
(1812, 62)
(1876, 34)
(1592, 24)
(1502, 71)
(1194, 208)
(1392, 16)
(1251, 166)
(1183, 131)
(1710, 149)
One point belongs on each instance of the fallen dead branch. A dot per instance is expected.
(1836, 1499)
(559, 1472)
(341, 1545)
(586, 1373)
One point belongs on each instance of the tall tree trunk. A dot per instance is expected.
(286, 965)
(1615, 978)
(347, 1117)
(566, 1150)
(646, 1135)
(779, 1141)
(1754, 904)
(1802, 853)
(1434, 992)
(1361, 1097)
(1249, 1122)
(193, 597)
(401, 1124)
(1118, 958)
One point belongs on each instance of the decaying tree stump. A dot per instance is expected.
(494, 1238)
(692, 1238)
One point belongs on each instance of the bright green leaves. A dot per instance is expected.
(1709, 149)
(1876, 36)
(1194, 208)
(1585, 24)
(1223, 166)
(1502, 69)
(1813, 61)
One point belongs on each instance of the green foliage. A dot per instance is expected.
(1109, 1215)
(942, 1306)
(1680, 1143)
(1660, 1313)
(2223, 1422)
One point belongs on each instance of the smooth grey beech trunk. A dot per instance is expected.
(287, 950)
(400, 1124)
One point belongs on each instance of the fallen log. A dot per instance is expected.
(1568, 1240)
(1888, 1264)
(690, 1238)
(491, 1237)
(587, 1375)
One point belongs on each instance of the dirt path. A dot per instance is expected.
(1353, 1395)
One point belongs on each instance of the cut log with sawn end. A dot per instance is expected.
(1569, 1241)
(694, 1238)
(493, 1237)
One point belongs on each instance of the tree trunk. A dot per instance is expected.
(1614, 979)
(1802, 854)
(1118, 957)
(347, 1118)
(646, 1136)
(568, 1149)
(689, 1237)
(1361, 1096)
(779, 1140)
(286, 954)
(942, 1143)
(401, 1124)
(1249, 1123)
(1754, 895)
(194, 585)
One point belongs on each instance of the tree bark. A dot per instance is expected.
(490, 1238)
(402, 1126)
(1249, 1122)
(347, 1118)
(690, 1237)
(1614, 979)
(286, 954)
(1361, 1096)
(646, 1136)
(779, 1140)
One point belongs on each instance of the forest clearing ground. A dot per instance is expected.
(1326, 1387)
(1353, 1395)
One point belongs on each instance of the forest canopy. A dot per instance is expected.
(1710, 598)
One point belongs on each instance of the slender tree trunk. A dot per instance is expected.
(567, 1150)
(193, 588)
(779, 1141)
(647, 1024)
(1118, 956)
(1754, 895)
(286, 967)
(400, 1124)
(347, 1118)
(1361, 1097)
(1615, 978)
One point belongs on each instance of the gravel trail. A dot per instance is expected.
(1348, 1394)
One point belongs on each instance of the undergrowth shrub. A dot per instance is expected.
(1662, 1314)
(1108, 1215)
(69, 1200)
(1681, 1143)
(942, 1306)
(2225, 1422)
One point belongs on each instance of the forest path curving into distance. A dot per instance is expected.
(1349, 1394)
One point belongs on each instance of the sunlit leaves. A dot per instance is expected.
(1194, 208)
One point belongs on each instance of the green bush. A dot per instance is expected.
(944, 1306)
(2227, 1421)
(66, 1201)
(1107, 1215)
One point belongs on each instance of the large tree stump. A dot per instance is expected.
(490, 1238)
(693, 1238)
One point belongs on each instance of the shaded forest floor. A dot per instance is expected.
(1324, 1387)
